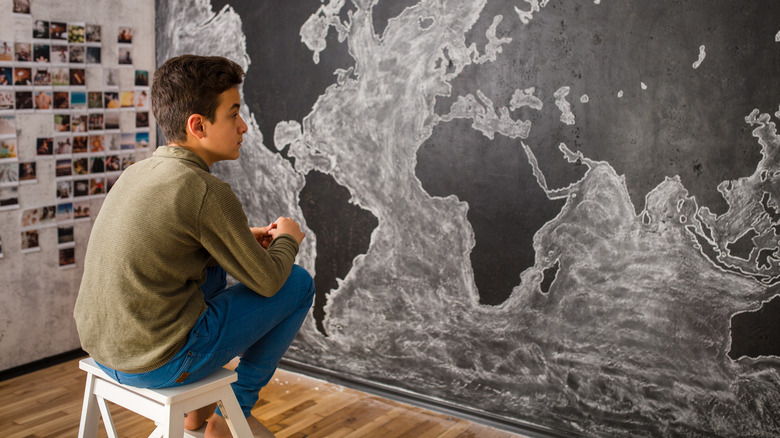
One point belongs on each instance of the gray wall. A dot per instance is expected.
(36, 294)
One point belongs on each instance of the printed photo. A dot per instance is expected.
(128, 141)
(9, 198)
(40, 29)
(141, 78)
(58, 30)
(96, 143)
(41, 76)
(6, 51)
(65, 212)
(64, 189)
(97, 165)
(6, 100)
(110, 77)
(142, 99)
(30, 241)
(76, 54)
(77, 77)
(111, 142)
(93, 33)
(43, 100)
(81, 210)
(31, 217)
(80, 167)
(80, 144)
(78, 100)
(23, 76)
(59, 53)
(75, 33)
(7, 125)
(61, 100)
(48, 215)
(111, 120)
(44, 146)
(125, 56)
(64, 234)
(97, 186)
(127, 99)
(41, 53)
(142, 119)
(23, 52)
(111, 100)
(113, 163)
(60, 76)
(63, 146)
(141, 140)
(67, 257)
(93, 55)
(8, 148)
(62, 167)
(79, 123)
(125, 35)
(96, 122)
(127, 161)
(80, 188)
(6, 76)
(27, 172)
(9, 174)
(22, 7)
(95, 100)
(62, 123)
(24, 100)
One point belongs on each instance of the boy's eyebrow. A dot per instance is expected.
(235, 105)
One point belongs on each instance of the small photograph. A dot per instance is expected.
(64, 189)
(61, 100)
(6, 100)
(48, 215)
(31, 217)
(110, 77)
(62, 123)
(9, 198)
(125, 56)
(93, 55)
(7, 125)
(92, 32)
(111, 121)
(23, 52)
(62, 167)
(96, 143)
(141, 140)
(127, 161)
(30, 241)
(77, 54)
(81, 210)
(6, 51)
(125, 35)
(6, 76)
(40, 29)
(9, 174)
(63, 146)
(96, 122)
(59, 53)
(64, 234)
(80, 188)
(23, 76)
(44, 147)
(27, 172)
(95, 100)
(8, 148)
(142, 119)
(41, 76)
(97, 165)
(97, 186)
(80, 143)
(41, 53)
(113, 163)
(24, 100)
(78, 100)
(79, 122)
(111, 142)
(43, 100)
(77, 77)
(127, 99)
(141, 99)
(22, 7)
(128, 141)
(111, 100)
(141, 78)
(60, 76)
(110, 181)
(65, 212)
(76, 33)
(67, 257)
(58, 30)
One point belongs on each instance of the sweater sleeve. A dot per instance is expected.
(225, 234)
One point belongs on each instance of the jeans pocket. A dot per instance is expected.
(178, 377)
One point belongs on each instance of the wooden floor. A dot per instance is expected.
(47, 403)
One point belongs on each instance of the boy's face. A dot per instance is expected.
(223, 137)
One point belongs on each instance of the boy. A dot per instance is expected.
(153, 310)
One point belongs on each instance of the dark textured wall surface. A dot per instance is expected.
(554, 212)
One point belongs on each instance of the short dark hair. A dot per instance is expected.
(187, 85)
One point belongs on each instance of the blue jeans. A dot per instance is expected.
(237, 322)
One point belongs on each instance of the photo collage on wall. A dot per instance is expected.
(48, 74)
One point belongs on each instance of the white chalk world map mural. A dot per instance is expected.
(563, 215)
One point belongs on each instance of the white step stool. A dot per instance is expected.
(165, 406)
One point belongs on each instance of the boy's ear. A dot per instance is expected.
(195, 125)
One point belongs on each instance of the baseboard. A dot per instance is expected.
(41, 364)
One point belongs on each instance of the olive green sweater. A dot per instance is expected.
(162, 223)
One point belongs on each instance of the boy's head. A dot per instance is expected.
(188, 85)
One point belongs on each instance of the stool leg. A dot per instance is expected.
(231, 411)
(107, 420)
(89, 410)
(174, 422)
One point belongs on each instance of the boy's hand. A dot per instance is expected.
(285, 225)
(263, 235)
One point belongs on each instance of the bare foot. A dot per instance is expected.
(195, 419)
(217, 427)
